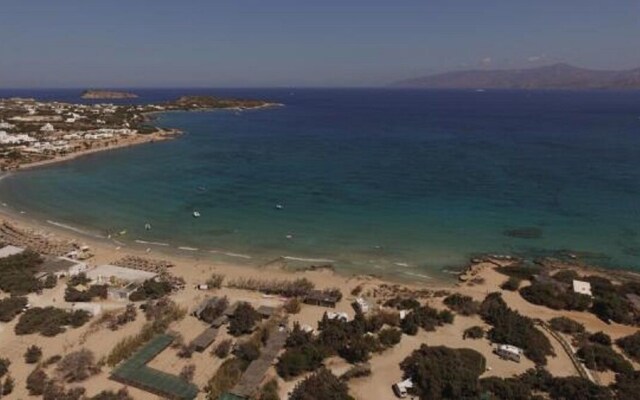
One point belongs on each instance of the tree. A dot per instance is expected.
(33, 354)
(36, 382)
(566, 325)
(11, 307)
(50, 281)
(243, 319)
(389, 337)
(602, 358)
(269, 391)
(7, 387)
(462, 304)
(475, 332)
(322, 385)
(511, 327)
(248, 350)
(630, 345)
(444, 373)
(187, 372)
(121, 394)
(77, 366)
(223, 348)
(4, 366)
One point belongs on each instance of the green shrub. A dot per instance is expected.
(223, 348)
(554, 297)
(600, 338)
(512, 284)
(151, 289)
(225, 378)
(49, 321)
(444, 373)
(475, 332)
(36, 382)
(243, 320)
(11, 307)
(269, 391)
(33, 354)
(297, 360)
(566, 325)
(522, 272)
(321, 385)
(389, 337)
(631, 346)
(602, 358)
(462, 304)
(510, 327)
(17, 273)
(4, 366)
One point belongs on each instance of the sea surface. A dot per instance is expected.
(385, 181)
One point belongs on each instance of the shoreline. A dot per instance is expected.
(158, 136)
(107, 250)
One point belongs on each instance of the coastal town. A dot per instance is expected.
(34, 132)
(83, 319)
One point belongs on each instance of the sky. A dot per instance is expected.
(296, 43)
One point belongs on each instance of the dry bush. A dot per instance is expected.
(77, 366)
(188, 371)
(298, 287)
(292, 306)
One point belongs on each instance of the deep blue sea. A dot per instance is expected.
(401, 182)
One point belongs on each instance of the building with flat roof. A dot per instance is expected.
(110, 274)
(582, 287)
(8, 251)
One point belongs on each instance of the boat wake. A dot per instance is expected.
(152, 243)
(74, 229)
(319, 260)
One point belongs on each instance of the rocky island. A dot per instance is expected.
(107, 94)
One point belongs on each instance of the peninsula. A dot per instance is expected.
(557, 76)
(35, 132)
(107, 94)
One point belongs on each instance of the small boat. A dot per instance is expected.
(196, 214)
(289, 237)
(201, 189)
(147, 226)
(279, 206)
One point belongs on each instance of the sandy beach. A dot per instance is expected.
(385, 366)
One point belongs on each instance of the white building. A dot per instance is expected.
(105, 274)
(338, 315)
(509, 352)
(400, 388)
(362, 305)
(6, 125)
(6, 138)
(47, 128)
(8, 251)
(582, 287)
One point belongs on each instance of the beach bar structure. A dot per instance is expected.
(254, 375)
(205, 339)
(135, 372)
(109, 273)
(60, 267)
(321, 298)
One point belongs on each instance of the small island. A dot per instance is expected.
(107, 94)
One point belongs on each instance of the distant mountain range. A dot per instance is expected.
(557, 76)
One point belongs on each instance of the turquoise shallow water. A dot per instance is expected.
(384, 181)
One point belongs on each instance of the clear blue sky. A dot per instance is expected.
(215, 43)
